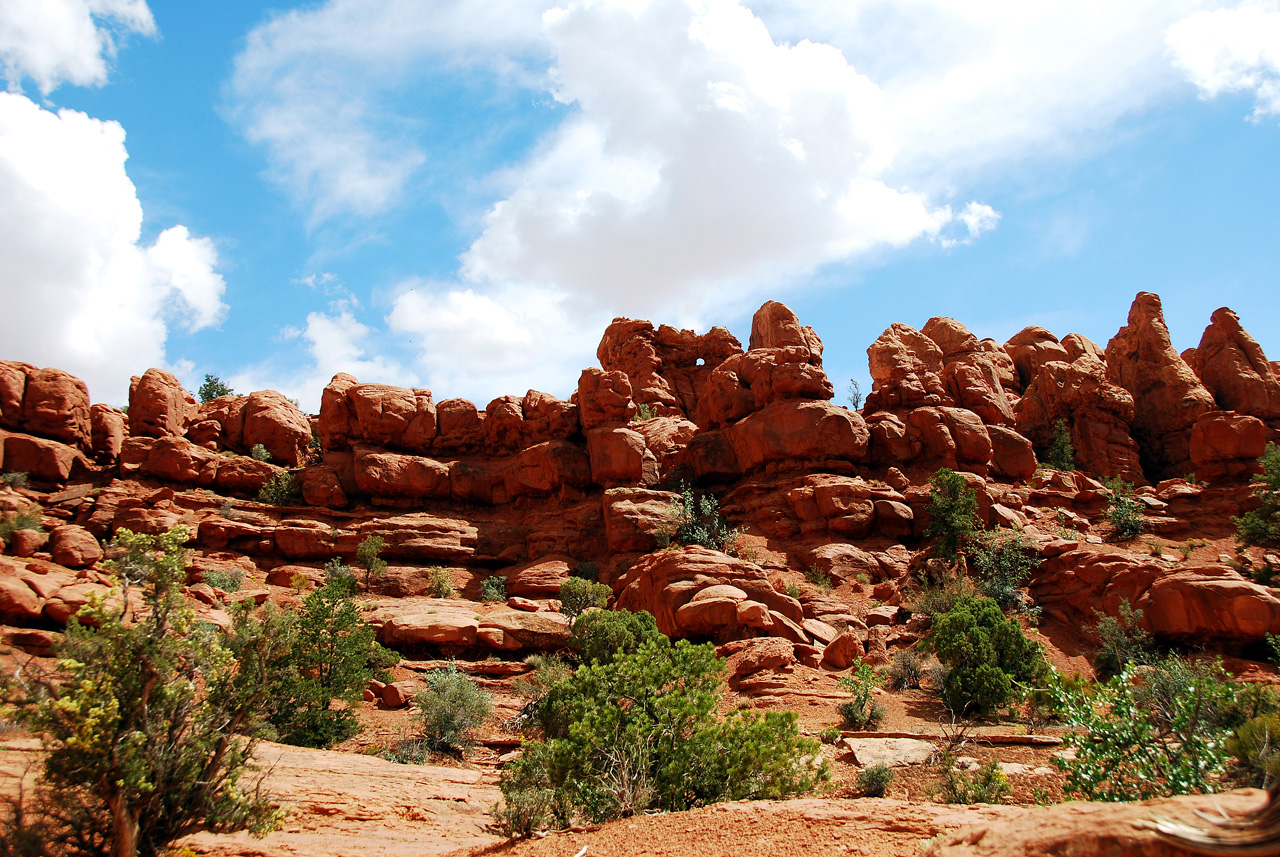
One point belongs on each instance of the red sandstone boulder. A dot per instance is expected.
(1096, 412)
(320, 486)
(1227, 444)
(220, 421)
(548, 466)
(952, 437)
(275, 422)
(159, 406)
(539, 579)
(337, 423)
(604, 399)
(1168, 398)
(546, 418)
(392, 474)
(1012, 455)
(73, 546)
(459, 426)
(504, 424)
(1231, 364)
(515, 630)
(663, 583)
(666, 438)
(1078, 346)
(788, 433)
(844, 651)
(13, 386)
(619, 457)
(906, 370)
(667, 367)
(635, 519)
(45, 460)
(179, 460)
(969, 375)
(392, 416)
(747, 657)
(1031, 348)
(441, 624)
(56, 405)
(107, 427)
(241, 474)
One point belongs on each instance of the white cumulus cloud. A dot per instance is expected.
(1232, 50)
(80, 290)
(52, 41)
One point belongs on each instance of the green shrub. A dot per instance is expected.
(439, 582)
(953, 512)
(336, 569)
(1150, 731)
(986, 654)
(793, 590)
(494, 588)
(874, 781)
(818, 578)
(644, 413)
(549, 670)
(452, 707)
(212, 388)
(602, 635)
(577, 596)
(988, 784)
(16, 479)
(1120, 642)
(134, 755)
(333, 657)
(523, 811)
(1002, 560)
(861, 711)
(1256, 747)
(640, 732)
(1061, 455)
(830, 735)
(1262, 525)
(1123, 511)
(906, 671)
(227, 581)
(259, 453)
(368, 557)
(23, 519)
(698, 522)
(854, 394)
(280, 490)
(933, 601)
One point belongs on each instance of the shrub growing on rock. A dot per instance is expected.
(1002, 560)
(1262, 525)
(986, 655)
(212, 388)
(988, 784)
(494, 588)
(332, 657)
(23, 519)
(577, 596)
(953, 512)
(139, 722)
(259, 453)
(439, 582)
(861, 711)
(602, 635)
(1062, 454)
(1123, 511)
(1149, 731)
(280, 490)
(640, 732)
(452, 707)
(368, 557)
(697, 521)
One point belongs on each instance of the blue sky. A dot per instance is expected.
(460, 195)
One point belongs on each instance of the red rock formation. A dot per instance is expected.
(1227, 444)
(56, 405)
(1031, 348)
(275, 422)
(158, 406)
(1234, 368)
(667, 367)
(906, 369)
(1097, 412)
(13, 385)
(604, 399)
(970, 374)
(108, 431)
(1168, 398)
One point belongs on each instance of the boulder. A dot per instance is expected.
(320, 486)
(159, 406)
(393, 474)
(844, 651)
(749, 657)
(541, 578)
(392, 416)
(906, 370)
(241, 474)
(546, 418)
(1031, 348)
(73, 546)
(337, 424)
(1012, 455)
(445, 625)
(635, 519)
(18, 603)
(790, 433)
(666, 438)
(1227, 444)
(548, 466)
(459, 426)
(1168, 397)
(521, 630)
(970, 375)
(667, 368)
(107, 432)
(220, 421)
(894, 752)
(177, 459)
(619, 457)
(275, 422)
(56, 405)
(13, 386)
(45, 460)
(604, 399)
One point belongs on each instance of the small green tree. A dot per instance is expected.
(140, 720)
(213, 387)
(577, 596)
(697, 521)
(602, 635)
(1121, 641)
(986, 654)
(494, 588)
(1157, 733)
(1002, 560)
(367, 557)
(332, 657)
(953, 512)
(259, 453)
(854, 394)
(640, 732)
(1262, 525)
(1123, 511)
(280, 490)
(861, 711)
(452, 707)
(1062, 454)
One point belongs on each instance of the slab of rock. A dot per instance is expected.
(73, 546)
(894, 752)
